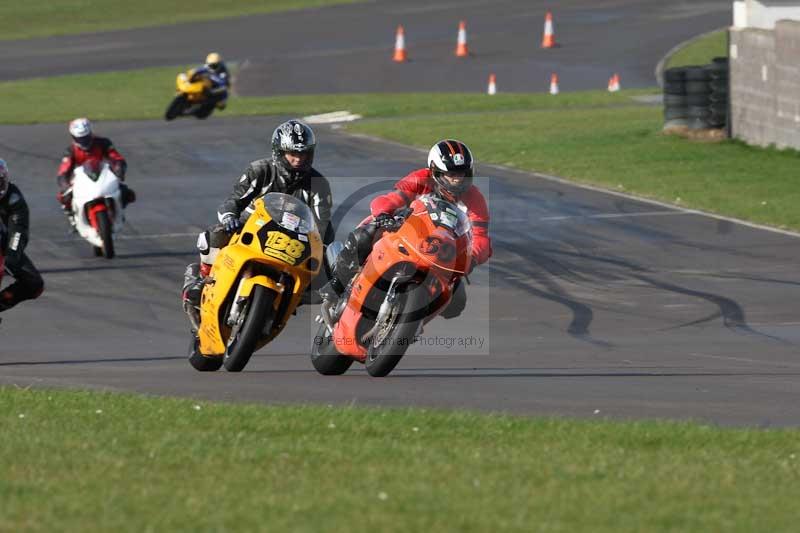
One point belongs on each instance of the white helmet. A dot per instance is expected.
(81, 131)
(5, 178)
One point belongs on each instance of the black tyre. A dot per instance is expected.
(699, 124)
(674, 87)
(697, 87)
(719, 87)
(697, 74)
(98, 251)
(396, 334)
(200, 362)
(697, 100)
(325, 357)
(675, 74)
(104, 229)
(672, 113)
(698, 112)
(176, 107)
(245, 334)
(675, 100)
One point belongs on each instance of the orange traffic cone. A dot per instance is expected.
(549, 39)
(554, 83)
(613, 83)
(400, 46)
(461, 47)
(492, 89)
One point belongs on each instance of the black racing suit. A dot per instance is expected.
(28, 282)
(261, 177)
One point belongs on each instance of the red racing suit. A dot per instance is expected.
(74, 156)
(421, 182)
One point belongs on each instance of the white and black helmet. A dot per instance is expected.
(5, 178)
(293, 136)
(450, 156)
(81, 131)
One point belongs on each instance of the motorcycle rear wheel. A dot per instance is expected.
(325, 357)
(386, 349)
(242, 342)
(104, 229)
(176, 107)
(200, 362)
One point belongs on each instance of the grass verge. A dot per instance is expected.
(22, 20)
(88, 461)
(701, 51)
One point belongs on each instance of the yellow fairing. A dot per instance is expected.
(194, 90)
(258, 255)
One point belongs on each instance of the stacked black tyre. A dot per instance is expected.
(698, 97)
(675, 105)
(718, 71)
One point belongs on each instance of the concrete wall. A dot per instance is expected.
(764, 14)
(765, 85)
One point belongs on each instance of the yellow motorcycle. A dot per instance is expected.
(199, 97)
(256, 283)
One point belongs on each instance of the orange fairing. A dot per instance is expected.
(435, 251)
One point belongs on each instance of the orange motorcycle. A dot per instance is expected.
(408, 278)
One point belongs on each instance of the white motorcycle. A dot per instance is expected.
(97, 206)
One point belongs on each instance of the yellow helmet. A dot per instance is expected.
(213, 58)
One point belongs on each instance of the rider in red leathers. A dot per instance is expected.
(449, 175)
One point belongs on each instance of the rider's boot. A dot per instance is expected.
(193, 279)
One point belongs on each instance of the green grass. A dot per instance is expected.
(87, 461)
(701, 51)
(41, 18)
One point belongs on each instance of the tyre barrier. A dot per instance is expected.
(696, 97)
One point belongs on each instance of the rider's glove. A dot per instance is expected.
(231, 223)
(385, 221)
(118, 168)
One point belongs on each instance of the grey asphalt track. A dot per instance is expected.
(348, 48)
(593, 304)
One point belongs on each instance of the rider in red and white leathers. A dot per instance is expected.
(85, 147)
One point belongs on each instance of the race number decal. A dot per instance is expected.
(281, 246)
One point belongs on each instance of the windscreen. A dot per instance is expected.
(289, 212)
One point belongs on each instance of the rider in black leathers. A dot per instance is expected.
(289, 171)
(14, 215)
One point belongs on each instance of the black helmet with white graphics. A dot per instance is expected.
(297, 139)
(451, 166)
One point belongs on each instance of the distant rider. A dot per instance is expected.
(85, 147)
(14, 215)
(449, 175)
(288, 171)
(215, 71)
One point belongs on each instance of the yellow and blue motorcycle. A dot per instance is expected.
(198, 93)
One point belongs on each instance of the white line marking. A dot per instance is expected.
(621, 215)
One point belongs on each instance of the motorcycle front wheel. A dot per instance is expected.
(104, 229)
(246, 332)
(396, 333)
(176, 107)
